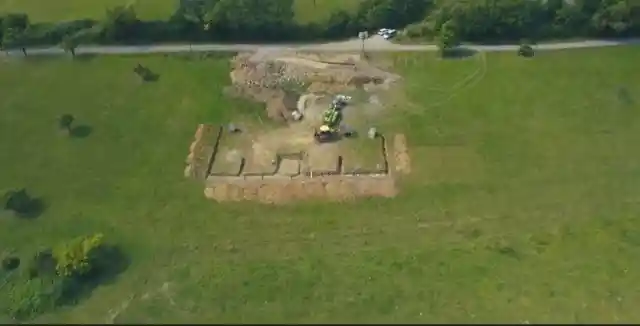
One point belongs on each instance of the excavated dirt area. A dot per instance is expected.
(279, 78)
(285, 164)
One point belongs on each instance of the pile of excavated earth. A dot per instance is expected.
(277, 78)
(295, 89)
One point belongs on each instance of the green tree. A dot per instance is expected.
(254, 19)
(69, 44)
(447, 37)
(34, 297)
(79, 257)
(525, 50)
(613, 17)
(13, 38)
(65, 121)
(374, 14)
(17, 21)
(120, 23)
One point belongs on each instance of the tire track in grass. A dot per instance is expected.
(468, 82)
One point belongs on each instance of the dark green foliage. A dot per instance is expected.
(273, 20)
(17, 21)
(10, 263)
(447, 38)
(508, 20)
(525, 50)
(375, 14)
(14, 38)
(145, 73)
(60, 276)
(34, 296)
(65, 121)
(42, 264)
(120, 24)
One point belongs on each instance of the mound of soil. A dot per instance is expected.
(401, 154)
(281, 105)
(200, 151)
(286, 190)
(276, 78)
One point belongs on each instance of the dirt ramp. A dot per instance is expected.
(201, 151)
(401, 154)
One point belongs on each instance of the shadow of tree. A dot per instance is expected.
(459, 53)
(84, 57)
(81, 131)
(37, 206)
(146, 74)
(151, 76)
(625, 97)
(24, 205)
(112, 263)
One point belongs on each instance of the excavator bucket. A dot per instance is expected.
(325, 134)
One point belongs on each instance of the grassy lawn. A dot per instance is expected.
(60, 10)
(537, 223)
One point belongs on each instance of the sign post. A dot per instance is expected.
(363, 36)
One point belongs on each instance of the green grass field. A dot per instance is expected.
(43, 10)
(522, 207)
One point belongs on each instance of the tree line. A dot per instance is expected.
(274, 20)
(510, 20)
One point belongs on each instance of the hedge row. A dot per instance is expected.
(273, 20)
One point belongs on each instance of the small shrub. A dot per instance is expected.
(145, 73)
(79, 257)
(42, 264)
(525, 50)
(33, 297)
(65, 121)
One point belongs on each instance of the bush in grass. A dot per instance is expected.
(525, 50)
(79, 257)
(34, 297)
(10, 263)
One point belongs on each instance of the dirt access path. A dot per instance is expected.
(374, 44)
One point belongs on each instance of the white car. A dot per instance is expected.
(382, 31)
(389, 33)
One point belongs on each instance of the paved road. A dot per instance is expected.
(376, 43)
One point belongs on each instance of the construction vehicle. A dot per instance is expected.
(340, 101)
(326, 134)
(329, 129)
(331, 119)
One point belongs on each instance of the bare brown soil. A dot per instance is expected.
(275, 78)
(401, 154)
(286, 190)
(200, 151)
(250, 166)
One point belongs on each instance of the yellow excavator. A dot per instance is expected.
(331, 118)
(328, 131)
